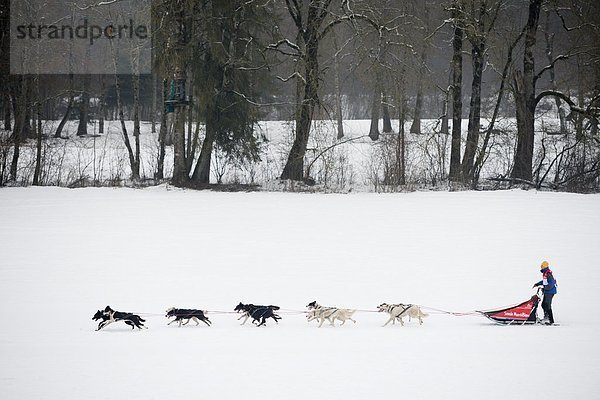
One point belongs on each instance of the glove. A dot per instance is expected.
(534, 286)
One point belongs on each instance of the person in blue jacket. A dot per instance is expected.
(549, 284)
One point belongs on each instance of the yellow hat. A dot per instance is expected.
(545, 264)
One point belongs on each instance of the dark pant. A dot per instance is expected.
(547, 306)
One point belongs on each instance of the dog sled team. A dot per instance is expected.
(260, 314)
(522, 313)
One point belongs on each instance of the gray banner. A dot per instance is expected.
(80, 37)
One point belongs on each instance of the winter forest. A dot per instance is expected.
(319, 95)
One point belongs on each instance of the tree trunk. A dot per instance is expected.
(132, 160)
(38, 155)
(457, 39)
(550, 57)
(525, 99)
(445, 129)
(401, 146)
(180, 176)
(70, 104)
(65, 118)
(6, 109)
(477, 53)
(387, 121)
(102, 110)
(416, 124)
(374, 129)
(135, 167)
(38, 118)
(192, 152)
(294, 167)
(155, 103)
(161, 146)
(202, 170)
(84, 107)
(20, 97)
(299, 66)
(338, 91)
(189, 157)
(579, 133)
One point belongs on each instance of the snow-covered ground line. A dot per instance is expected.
(67, 253)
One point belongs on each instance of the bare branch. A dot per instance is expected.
(550, 66)
(294, 75)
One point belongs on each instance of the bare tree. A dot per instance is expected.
(313, 26)
(479, 22)
(456, 12)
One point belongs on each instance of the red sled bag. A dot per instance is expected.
(518, 314)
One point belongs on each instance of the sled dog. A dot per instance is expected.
(108, 316)
(259, 314)
(399, 311)
(186, 315)
(321, 313)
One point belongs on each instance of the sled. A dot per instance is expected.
(524, 313)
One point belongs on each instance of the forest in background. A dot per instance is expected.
(220, 68)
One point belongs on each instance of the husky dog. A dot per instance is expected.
(187, 315)
(399, 311)
(321, 313)
(108, 316)
(258, 313)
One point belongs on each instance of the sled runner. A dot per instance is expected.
(524, 313)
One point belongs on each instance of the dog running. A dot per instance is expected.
(399, 311)
(186, 315)
(259, 314)
(108, 316)
(316, 311)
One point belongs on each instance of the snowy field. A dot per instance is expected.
(67, 253)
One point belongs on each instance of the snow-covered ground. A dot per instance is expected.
(67, 253)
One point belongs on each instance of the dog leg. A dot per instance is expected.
(206, 321)
(392, 318)
(321, 321)
(106, 323)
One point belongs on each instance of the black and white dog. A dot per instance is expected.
(258, 313)
(108, 316)
(318, 312)
(399, 311)
(186, 315)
